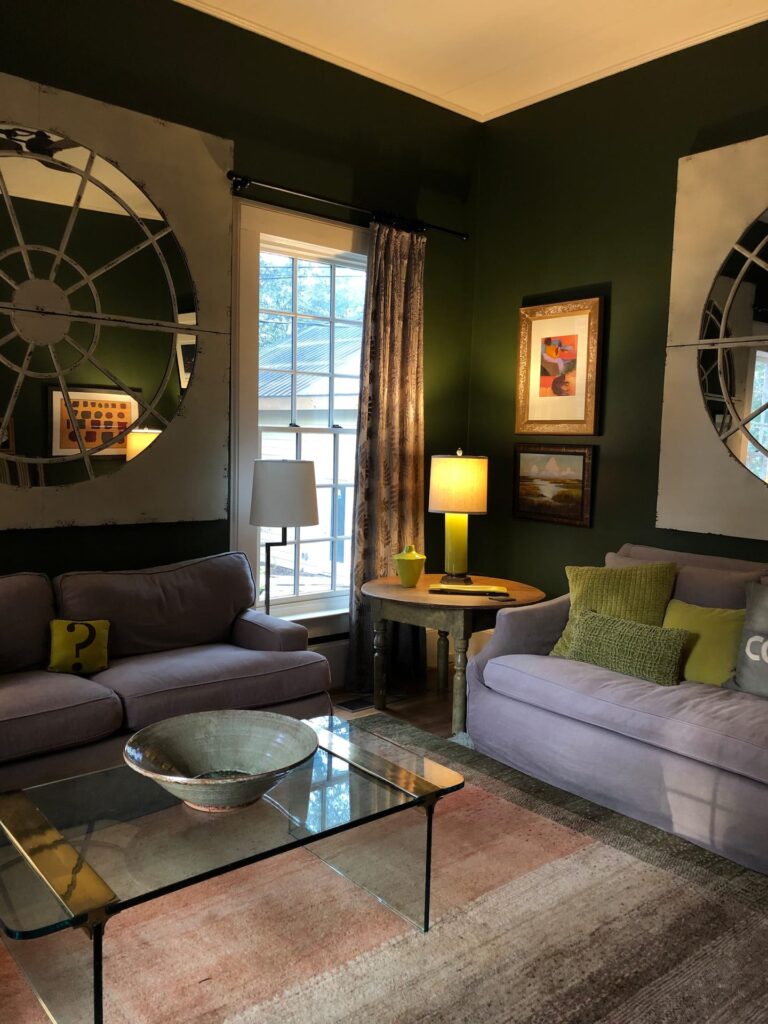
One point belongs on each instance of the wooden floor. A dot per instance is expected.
(428, 709)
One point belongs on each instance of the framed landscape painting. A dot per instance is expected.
(557, 368)
(553, 483)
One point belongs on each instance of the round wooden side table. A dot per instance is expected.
(457, 615)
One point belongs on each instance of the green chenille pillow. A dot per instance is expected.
(714, 645)
(639, 593)
(653, 653)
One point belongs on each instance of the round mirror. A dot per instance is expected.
(733, 351)
(96, 309)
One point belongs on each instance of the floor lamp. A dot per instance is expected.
(283, 495)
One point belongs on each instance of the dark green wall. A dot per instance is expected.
(575, 197)
(295, 121)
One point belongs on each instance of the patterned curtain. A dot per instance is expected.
(389, 485)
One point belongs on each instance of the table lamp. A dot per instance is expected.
(458, 486)
(283, 495)
(138, 440)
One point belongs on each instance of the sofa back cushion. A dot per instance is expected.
(159, 609)
(26, 608)
(698, 584)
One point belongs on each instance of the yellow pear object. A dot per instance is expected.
(410, 565)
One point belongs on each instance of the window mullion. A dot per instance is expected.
(295, 343)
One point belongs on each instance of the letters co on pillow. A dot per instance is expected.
(652, 653)
(639, 593)
(752, 665)
(79, 646)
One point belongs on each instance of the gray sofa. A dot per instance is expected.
(182, 638)
(691, 759)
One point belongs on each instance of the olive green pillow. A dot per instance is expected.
(639, 593)
(652, 653)
(713, 648)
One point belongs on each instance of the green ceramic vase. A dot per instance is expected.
(410, 565)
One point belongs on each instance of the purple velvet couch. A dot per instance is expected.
(183, 638)
(690, 759)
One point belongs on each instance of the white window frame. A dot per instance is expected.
(259, 225)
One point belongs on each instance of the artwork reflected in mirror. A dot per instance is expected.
(733, 350)
(94, 288)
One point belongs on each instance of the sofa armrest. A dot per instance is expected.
(532, 629)
(260, 632)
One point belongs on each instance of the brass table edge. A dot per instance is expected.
(66, 873)
(374, 764)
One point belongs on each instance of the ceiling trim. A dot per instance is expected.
(213, 9)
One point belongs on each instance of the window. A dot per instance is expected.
(305, 384)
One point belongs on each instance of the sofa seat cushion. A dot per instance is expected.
(211, 677)
(42, 711)
(717, 727)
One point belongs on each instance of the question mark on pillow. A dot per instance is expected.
(90, 636)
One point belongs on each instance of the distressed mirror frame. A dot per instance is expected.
(185, 477)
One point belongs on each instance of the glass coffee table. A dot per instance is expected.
(75, 853)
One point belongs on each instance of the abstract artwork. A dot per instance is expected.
(557, 368)
(553, 483)
(100, 416)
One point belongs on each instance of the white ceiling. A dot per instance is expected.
(487, 57)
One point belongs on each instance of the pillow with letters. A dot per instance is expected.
(752, 664)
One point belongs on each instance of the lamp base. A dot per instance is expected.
(457, 579)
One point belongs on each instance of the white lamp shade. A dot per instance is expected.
(137, 440)
(459, 483)
(283, 493)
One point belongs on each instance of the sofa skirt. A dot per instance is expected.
(719, 810)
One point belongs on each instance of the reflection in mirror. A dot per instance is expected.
(733, 350)
(94, 289)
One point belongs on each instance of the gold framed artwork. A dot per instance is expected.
(101, 414)
(557, 374)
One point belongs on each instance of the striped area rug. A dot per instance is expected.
(547, 910)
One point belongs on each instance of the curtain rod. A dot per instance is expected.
(240, 182)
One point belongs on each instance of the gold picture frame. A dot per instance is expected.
(557, 372)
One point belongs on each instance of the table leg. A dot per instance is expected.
(380, 664)
(460, 643)
(442, 660)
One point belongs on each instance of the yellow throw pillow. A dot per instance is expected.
(79, 646)
(711, 653)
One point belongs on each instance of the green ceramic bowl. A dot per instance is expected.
(219, 760)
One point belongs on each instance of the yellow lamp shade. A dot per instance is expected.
(138, 440)
(459, 483)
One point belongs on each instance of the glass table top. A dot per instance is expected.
(116, 838)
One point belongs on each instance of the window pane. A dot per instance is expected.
(275, 281)
(314, 345)
(281, 577)
(347, 452)
(275, 342)
(324, 507)
(275, 398)
(273, 534)
(279, 445)
(346, 393)
(315, 567)
(318, 448)
(344, 507)
(314, 288)
(312, 400)
(343, 550)
(350, 293)
(349, 340)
